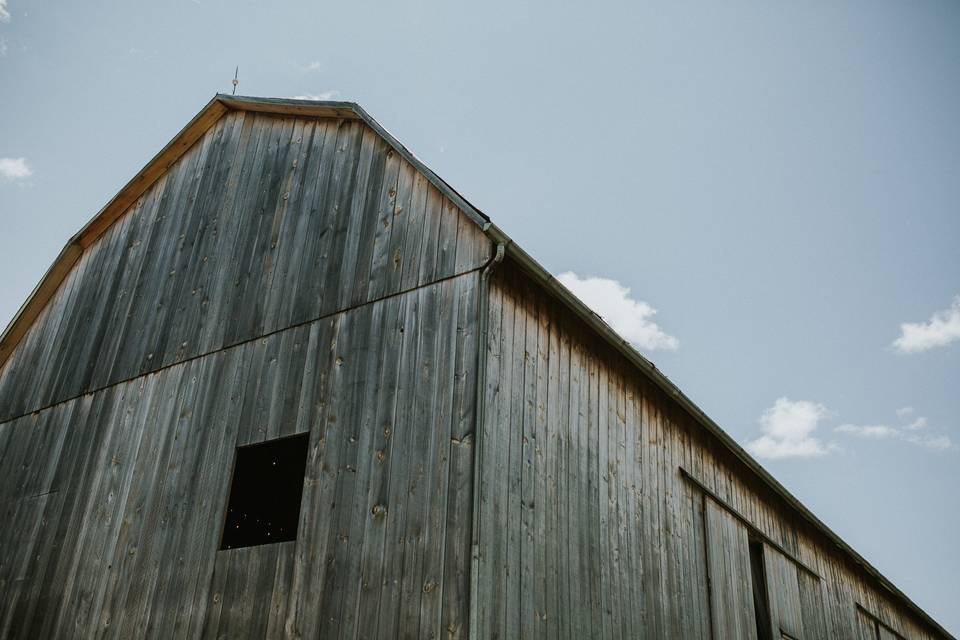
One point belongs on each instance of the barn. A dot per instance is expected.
(288, 383)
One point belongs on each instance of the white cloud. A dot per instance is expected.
(879, 431)
(940, 330)
(630, 318)
(4, 12)
(311, 66)
(333, 94)
(907, 433)
(14, 168)
(788, 430)
(937, 443)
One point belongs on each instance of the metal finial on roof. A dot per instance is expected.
(236, 73)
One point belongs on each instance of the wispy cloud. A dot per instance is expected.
(913, 433)
(633, 319)
(876, 432)
(311, 67)
(940, 330)
(4, 12)
(919, 423)
(939, 443)
(903, 412)
(333, 94)
(14, 168)
(789, 428)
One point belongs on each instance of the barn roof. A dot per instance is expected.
(221, 104)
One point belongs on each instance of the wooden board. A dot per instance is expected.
(783, 593)
(728, 568)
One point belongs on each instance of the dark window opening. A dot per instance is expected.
(761, 606)
(264, 503)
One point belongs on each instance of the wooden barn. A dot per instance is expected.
(288, 383)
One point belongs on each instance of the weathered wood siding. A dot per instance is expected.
(297, 275)
(113, 503)
(587, 527)
(266, 223)
(285, 276)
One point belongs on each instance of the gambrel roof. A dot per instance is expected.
(222, 104)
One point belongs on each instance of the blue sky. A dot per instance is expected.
(779, 181)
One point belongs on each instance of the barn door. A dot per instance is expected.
(728, 566)
(783, 591)
(867, 627)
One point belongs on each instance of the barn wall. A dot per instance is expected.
(265, 223)
(113, 502)
(284, 276)
(587, 527)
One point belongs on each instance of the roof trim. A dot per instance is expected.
(221, 104)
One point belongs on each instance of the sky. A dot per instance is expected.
(763, 197)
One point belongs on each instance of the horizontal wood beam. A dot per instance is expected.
(753, 528)
(877, 619)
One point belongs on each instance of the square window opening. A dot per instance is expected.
(264, 504)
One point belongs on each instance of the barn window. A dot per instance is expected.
(761, 606)
(265, 494)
